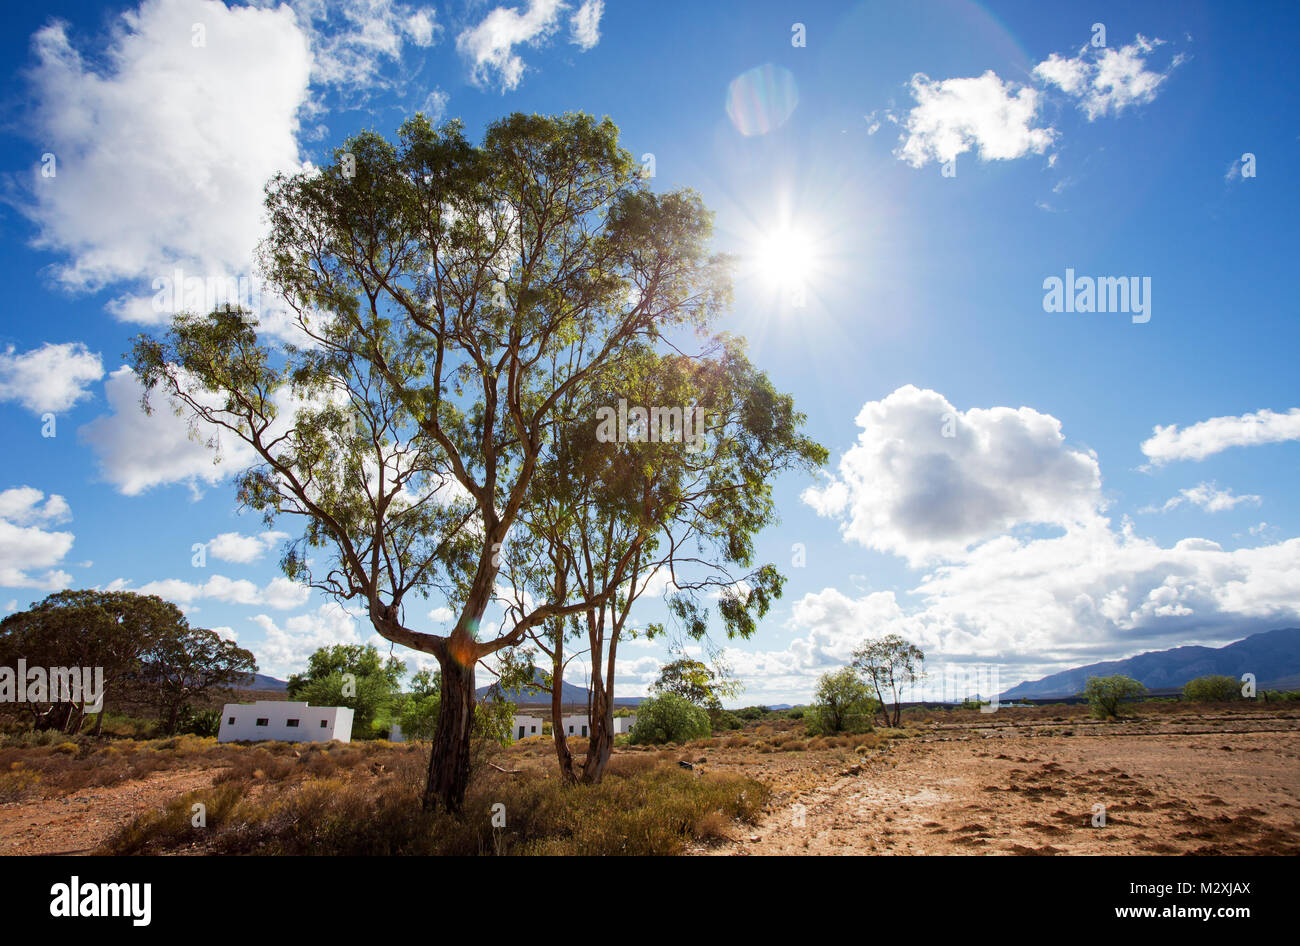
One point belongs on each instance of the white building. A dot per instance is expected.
(284, 722)
(624, 724)
(575, 726)
(526, 726)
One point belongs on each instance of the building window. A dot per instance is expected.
(291, 723)
(534, 728)
(323, 724)
(570, 730)
(584, 731)
(231, 720)
(263, 721)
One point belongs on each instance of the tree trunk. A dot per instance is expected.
(449, 760)
(562, 754)
(600, 745)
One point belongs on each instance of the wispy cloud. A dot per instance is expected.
(1200, 440)
(1209, 497)
(490, 46)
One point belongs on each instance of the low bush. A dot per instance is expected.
(643, 806)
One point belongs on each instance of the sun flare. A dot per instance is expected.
(785, 258)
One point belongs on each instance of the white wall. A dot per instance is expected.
(576, 726)
(239, 722)
(525, 726)
(624, 724)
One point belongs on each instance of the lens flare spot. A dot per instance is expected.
(762, 99)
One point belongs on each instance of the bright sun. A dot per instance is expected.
(784, 258)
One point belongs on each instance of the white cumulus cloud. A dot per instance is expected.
(27, 546)
(49, 378)
(926, 481)
(243, 549)
(1107, 81)
(985, 114)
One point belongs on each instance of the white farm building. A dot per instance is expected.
(525, 726)
(284, 722)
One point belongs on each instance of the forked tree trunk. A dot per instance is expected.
(449, 760)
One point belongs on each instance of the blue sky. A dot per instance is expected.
(1109, 485)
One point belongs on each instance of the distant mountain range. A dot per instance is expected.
(260, 681)
(573, 695)
(1273, 657)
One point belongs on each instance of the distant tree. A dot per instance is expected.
(695, 681)
(417, 709)
(842, 703)
(186, 665)
(889, 664)
(668, 717)
(113, 630)
(355, 676)
(1212, 688)
(1105, 693)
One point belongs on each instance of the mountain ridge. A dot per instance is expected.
(1269, 655)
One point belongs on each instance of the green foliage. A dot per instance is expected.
(1105, 693)
(668, 717)
(1280, 696)
(355, 676)
(147, 650)
(187, 666)
(696, 682)
(890, 664)
(751, 713)
(721, 720)
(205, 722)
(1212, 688)
(842, 703)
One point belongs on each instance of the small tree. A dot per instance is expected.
(890, 664)
(696, 682)
(843, 703)
(668, 717)
(1105, 693)
(185, 666)
(351, 675)
(1212, 688)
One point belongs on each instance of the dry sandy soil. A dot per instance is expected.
(1191, 784)
(77, 823)
(1014, 782)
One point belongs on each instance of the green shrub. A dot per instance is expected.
(1105, 693)
(668, 718)
(843, 703)
(1212, 688)
(723, 720)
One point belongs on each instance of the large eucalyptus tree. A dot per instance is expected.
(450, 298)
